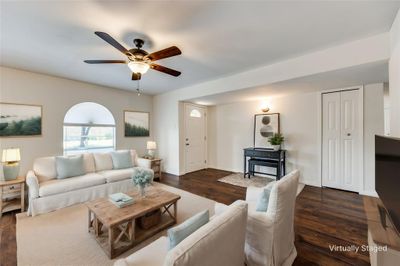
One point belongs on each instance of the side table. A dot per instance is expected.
(12, 195)
(155, 165)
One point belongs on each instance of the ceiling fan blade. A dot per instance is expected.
(165, 70)
(105, 61)
(106, 37)
(136, 76)
(165, 53)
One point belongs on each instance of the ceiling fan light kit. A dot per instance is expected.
(138, 67)
(139, 61)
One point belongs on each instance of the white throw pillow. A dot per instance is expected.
(103, 161)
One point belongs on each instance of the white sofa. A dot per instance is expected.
(217, 243)
(47, 193)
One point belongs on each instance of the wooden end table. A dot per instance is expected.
(12, 195)
(155, 165)
(115, 229)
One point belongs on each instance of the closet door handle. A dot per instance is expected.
(348, 134)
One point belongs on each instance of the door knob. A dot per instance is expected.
(187, 144)
(348, 134)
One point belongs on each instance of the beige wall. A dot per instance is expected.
(57, 95)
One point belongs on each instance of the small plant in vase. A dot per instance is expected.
(276, 141)
(141, 178)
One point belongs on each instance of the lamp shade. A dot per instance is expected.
(151, 145)
(138, 67)
(11, 155)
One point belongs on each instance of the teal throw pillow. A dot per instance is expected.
(180, 232)
(262, 204)
(121, 159)
(69, 166)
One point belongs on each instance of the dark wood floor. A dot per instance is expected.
(323, 217)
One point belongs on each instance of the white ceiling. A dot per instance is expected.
(216, 38)
(364, 74)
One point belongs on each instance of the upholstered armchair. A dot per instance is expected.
(270, 234)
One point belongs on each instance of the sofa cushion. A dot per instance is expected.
(185, 229)
(121, 159)
(69, 166)
(103, 161)
(45, 168)
(57, 186)
(151, 255)
(88, 160)
(134, 157)
(117, 175)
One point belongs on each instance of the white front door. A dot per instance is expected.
(341, 140)
(195, 137)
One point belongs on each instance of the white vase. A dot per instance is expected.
(276, 147)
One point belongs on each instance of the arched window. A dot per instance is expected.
(88, 127)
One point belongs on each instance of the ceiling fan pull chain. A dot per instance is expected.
(138, 87)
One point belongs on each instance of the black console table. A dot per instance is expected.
(264, 157)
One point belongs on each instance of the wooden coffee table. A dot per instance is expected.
(115, 228)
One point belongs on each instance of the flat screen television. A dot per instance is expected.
(387, 176)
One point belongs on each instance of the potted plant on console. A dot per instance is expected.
(276, 141)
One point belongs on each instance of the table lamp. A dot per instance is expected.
(10, 160)
(151, 147)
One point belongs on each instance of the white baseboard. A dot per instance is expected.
(371, 193)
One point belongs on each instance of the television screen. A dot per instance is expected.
(387, 176)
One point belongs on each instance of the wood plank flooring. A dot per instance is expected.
(323, 217)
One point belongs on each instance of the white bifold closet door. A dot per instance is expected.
(341, 140)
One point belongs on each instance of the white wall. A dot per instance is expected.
(166, 106)
(57, 95)
(394, 77)
(230, 129)
(373, 125)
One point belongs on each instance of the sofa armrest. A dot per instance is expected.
(145, 163)
(33, 185)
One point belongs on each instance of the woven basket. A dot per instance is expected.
(150, 219)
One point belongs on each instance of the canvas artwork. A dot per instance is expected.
(265, 125)
(20, 120)
(137, 124)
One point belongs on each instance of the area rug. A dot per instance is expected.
(255, 181)
(61, 237)
(238, 180)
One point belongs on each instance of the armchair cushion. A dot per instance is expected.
(262, 204)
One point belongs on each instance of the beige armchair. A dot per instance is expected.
(270, 235)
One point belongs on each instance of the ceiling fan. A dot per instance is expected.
(139, 61)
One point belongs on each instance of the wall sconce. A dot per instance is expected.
(264, 106)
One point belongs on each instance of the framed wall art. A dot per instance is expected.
(137, 124)
(265, 126)
(20, 120)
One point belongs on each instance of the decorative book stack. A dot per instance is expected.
(120, 200)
